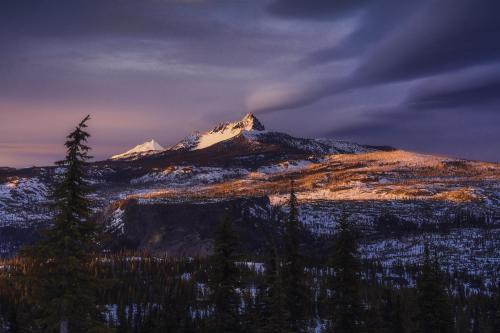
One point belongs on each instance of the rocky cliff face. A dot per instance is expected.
(188, 228)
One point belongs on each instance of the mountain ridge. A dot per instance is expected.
(248, 132)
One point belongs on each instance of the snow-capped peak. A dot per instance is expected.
(248, 123)
(222, 132)
(251, 123)
(147, 147)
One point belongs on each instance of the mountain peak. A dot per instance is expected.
(144, 148)
(252, 123)
(223, 131)
(248, 123)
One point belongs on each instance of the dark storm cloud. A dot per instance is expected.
(220, 32)
(317, 9)
(216, 31)
(440, 36)
(90, 18)
(378, 18)
(107, 49)
(443, 36)
(480, 89)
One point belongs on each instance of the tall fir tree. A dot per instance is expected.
(294, 282)
(224, 279)
(62, 290)
(434, 310)
(347, 309)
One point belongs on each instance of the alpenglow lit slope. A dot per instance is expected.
(146, 148)
(221, 132)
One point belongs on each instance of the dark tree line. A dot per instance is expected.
(141, 293)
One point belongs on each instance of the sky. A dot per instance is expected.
(420, 75)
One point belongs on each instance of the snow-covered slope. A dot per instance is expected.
(221, 132)
(147, 148)
(311, 146)
(23, 201)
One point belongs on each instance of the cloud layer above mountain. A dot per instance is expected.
(421, 75)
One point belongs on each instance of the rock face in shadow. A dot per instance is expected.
(188, 229)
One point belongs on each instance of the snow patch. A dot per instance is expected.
(116, 223)
(186, 175)
(19, 193)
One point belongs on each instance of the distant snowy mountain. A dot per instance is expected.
(221, 132)
(147, 148)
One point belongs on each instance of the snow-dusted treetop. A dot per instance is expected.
(221, 132)
(150, 146)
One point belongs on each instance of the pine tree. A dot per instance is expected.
(122, 324)
(478, 325)
(462, 324)
(434, 310)
(496, 312)
(294, 283)
(250, 316)
(62, 290)
(223, 279)
(274, 314)
(346, 301)
(373, 322)
(175, 307)
(391, 313)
